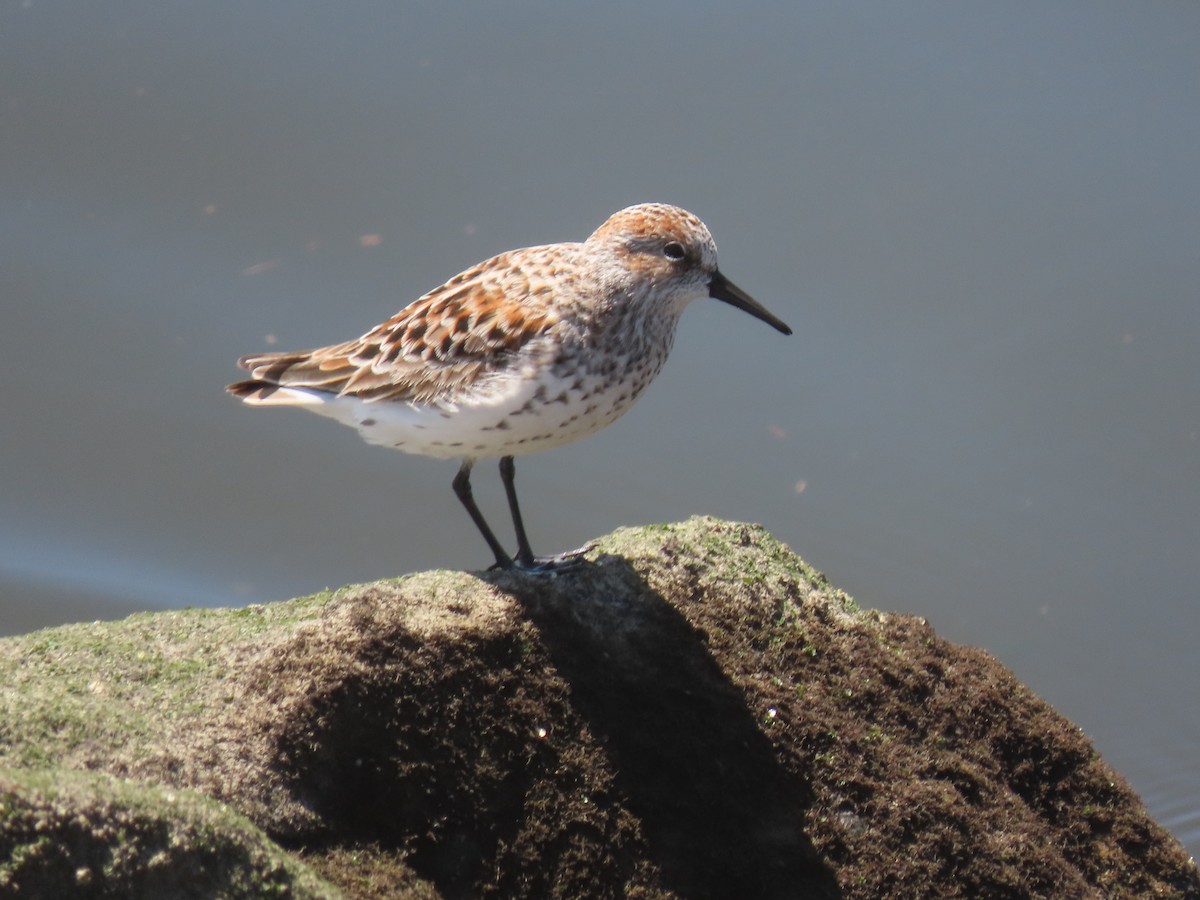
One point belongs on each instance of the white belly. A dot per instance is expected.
(513, 417)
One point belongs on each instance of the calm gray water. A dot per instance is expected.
(983, 221)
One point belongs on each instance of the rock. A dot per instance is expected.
(695, 712)
(77, 834)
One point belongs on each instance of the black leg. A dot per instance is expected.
(508, 473)
(462, 489)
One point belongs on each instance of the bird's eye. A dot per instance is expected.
(674, 250)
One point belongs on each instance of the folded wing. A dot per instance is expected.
(435, 348)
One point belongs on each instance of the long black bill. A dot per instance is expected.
(721, 288)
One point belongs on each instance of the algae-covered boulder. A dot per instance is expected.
(692, 712)
(73, 834)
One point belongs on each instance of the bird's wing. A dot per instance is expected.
(437, 347)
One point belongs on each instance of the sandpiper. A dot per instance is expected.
(529, 350)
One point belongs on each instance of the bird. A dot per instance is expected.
(527, 351)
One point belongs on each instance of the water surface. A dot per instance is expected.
(981, 220)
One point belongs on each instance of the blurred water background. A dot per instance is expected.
(983, 221)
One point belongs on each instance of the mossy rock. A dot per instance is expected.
(76, 834)
(692, 712)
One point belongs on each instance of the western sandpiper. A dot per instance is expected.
(530, 350)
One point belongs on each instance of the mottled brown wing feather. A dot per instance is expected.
(437, 346)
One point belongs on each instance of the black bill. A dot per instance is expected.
(721, 288)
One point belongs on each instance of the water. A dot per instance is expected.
(982, 222)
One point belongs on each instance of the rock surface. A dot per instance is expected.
(694, 712)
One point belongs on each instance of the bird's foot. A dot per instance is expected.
(549, 565)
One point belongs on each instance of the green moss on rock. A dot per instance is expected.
(694, 711)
